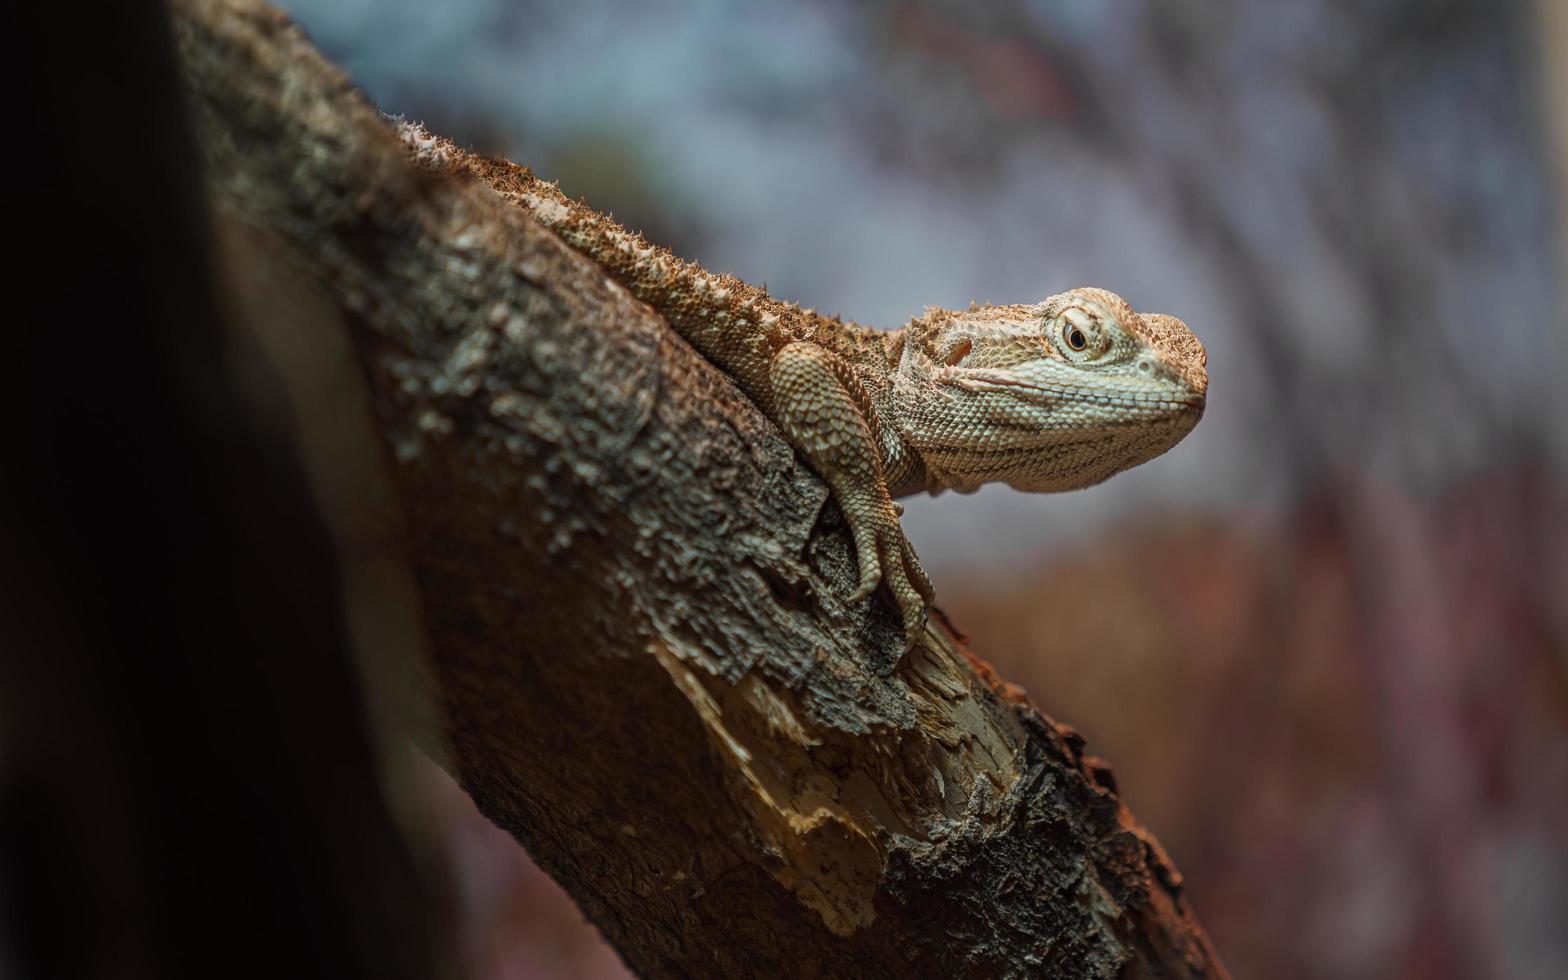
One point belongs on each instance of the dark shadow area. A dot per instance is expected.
(186, 784)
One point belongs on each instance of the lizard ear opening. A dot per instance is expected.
(959, 352)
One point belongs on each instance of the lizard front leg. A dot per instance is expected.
(813, 402)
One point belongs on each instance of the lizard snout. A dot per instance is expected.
(1180, 352)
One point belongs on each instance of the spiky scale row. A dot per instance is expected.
(735, 325)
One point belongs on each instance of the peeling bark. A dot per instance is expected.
(645, 663)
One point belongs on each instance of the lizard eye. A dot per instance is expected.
(1080, 333)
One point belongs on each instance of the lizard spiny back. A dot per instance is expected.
(733, 324)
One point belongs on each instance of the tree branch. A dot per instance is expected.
(647, 670)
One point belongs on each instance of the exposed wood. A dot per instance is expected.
(646, 666)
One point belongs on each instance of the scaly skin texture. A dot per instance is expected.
(1055, 395)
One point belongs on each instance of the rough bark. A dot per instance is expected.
(634, 593)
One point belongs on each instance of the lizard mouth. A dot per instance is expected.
(1157, 399)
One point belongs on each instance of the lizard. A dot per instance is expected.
(1056, 395)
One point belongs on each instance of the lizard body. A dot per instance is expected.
(1049, 396)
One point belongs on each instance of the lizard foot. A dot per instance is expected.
(884, 554)
(818, 401)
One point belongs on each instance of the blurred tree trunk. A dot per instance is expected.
(645, 668)
(186, 785)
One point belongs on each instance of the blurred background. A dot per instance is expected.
(1325, 641)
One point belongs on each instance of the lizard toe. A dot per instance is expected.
(918, 578)
(870, 570)
(911, 607)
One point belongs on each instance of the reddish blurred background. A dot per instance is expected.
(1325, 641)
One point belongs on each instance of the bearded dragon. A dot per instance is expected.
(1048, 396)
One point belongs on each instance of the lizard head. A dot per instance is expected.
(1055, 395)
